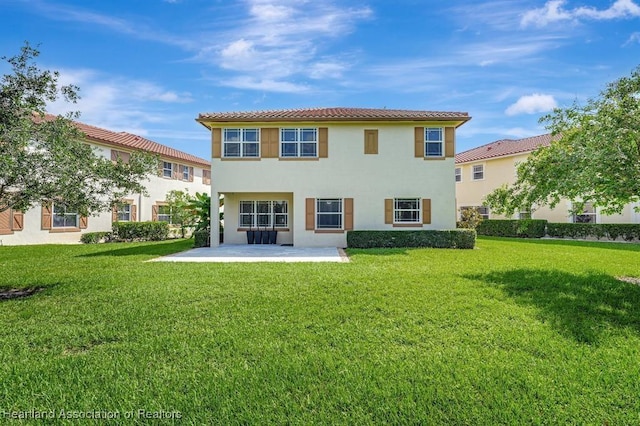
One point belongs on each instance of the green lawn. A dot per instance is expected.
(534, 332)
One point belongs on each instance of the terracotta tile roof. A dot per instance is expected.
(333, 114)
(503, 148)
(129, 141)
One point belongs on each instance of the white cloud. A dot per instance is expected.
(280, 41)
(532, 104)
(554, 11)
(633, 38)
(116, 103)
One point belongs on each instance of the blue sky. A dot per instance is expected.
(150, 67)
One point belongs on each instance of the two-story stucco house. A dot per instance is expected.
(481, 170)
(313, 174)
(53, 223)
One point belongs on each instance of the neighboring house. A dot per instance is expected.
(313, 174)
(53, 223)
(481, 170)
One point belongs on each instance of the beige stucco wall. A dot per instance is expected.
(157, 188)
(501, 171)
(347, 173)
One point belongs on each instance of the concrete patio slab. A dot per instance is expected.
(227, 253)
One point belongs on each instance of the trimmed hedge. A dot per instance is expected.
(611, 231)
(455, 238)
(202, 238)
(520, 228)
(96, 237)
(141, 231)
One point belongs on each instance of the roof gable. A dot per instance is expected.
(134, 142)
(503, 148)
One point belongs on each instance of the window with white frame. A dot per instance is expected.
(124, 212)
(524, 214)
(588, 214)
(264, 214)
(167, 169)
(458, 174)
(483, 211)
(478, 172)
(406, 210)
(434, 141)
(329, 213)
(241, 143)
(299, 142)
(64, 217)
(164, 213)
(185, 173)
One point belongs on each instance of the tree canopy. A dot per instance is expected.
(43, 157)
(596, 157)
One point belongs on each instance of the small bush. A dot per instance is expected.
(456, 238)
(201, 238)
(141, 231)
(470, 218)
(610, 231)
(524, 228)
(96, 237)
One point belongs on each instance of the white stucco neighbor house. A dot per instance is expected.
(313, 174)
(53, 223)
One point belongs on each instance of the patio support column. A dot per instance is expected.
(215, 218)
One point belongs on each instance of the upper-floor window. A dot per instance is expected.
(329, 213)
(299, 142)
(206, 177)
(478, 172)
(241, 142)
(434, 141)
(167, 169)
(458, 174)
(406, 210)
(64, 217)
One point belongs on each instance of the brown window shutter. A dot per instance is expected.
(310, 223)
(348, 214)
(449, 142)
(17, 223)
(426, 211)
(419, 142)
(388, 210)
(84, 222)
(154, 213)
(371, 141)
(114, 155)
(114, 213)
(5, 222)
(269, 142)
(125, 156)
(323, 142)
(216, 143)
(190, 174)
(46, 215)
(134, 213)
(161, 168)
(176, 170)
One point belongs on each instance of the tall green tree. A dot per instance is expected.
(179, 204)
(44, 157)
(596, 157)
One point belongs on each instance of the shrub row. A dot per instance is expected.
(611, 231)
(525, 228)
(456, 238)
(96, 237)
(140, 231)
